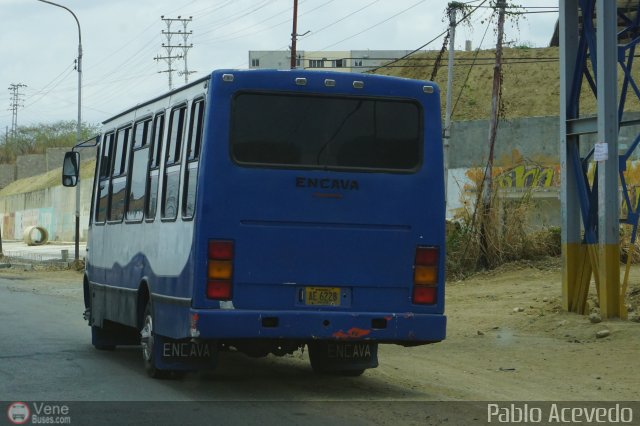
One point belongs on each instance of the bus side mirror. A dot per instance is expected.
(70, 168)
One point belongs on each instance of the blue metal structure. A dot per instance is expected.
(591, 52)
(318, 220)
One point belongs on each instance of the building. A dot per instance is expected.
(343, 60)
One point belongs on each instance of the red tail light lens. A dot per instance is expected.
(427, 256)
(425, 275)
(219, 290)
(220, 269)
(423, 295)
(220, 250)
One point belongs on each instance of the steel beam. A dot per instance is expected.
(608, 201)
(575, 263)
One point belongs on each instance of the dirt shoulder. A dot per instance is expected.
(508, 339)
(43, 280)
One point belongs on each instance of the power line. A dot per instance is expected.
(16, 102)
(341, 19)
(234, 34)
(236, 16)
(42, 93)
(475, 57)
(375, 25)
(430, 41)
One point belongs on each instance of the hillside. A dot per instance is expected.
(531, 87)
(46, 180)
(531, 82)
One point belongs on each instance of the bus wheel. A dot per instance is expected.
(147, 340)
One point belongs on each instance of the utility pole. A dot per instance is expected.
(452, 10)
(487, 187)
(78, 124)
(185, 47)
(294, 34)
(169, 46)
(16, 102)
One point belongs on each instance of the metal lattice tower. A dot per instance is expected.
(597, 38)
(185, 47)
(169, 47)
(16, 102)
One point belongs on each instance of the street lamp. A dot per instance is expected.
(78, 130)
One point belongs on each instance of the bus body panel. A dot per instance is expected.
(299, 227)
(292, 228)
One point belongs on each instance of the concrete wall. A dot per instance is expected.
(54, 157)
(30, 165)
(534, 138)
(526, 162)
(7, 174)
(35, 164)
(51, 208)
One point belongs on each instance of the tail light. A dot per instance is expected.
(219, 269)
(425, 275)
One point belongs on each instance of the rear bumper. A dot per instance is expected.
(379, 327)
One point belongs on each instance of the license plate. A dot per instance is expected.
(180, 350)
(350, 351)
(327, 296)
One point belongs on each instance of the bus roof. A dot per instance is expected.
(157, 98)
(258, 71)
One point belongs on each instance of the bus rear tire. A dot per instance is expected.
(147, 340)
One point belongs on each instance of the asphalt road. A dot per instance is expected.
(46, 355)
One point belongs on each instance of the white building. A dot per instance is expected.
(346, 60)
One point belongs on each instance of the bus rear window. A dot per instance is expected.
(290, 130)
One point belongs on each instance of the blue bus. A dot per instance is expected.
(263, 211)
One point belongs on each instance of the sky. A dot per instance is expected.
(121, 38)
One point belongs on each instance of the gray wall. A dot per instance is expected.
(7, 174)
(30, 165)
(35, 164)
(54, 157)
(533, 137)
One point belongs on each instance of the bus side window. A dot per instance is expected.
(171, 188)
(138, 173)
(119, 176)
(103, 179)
(154, 166)
(193, 155)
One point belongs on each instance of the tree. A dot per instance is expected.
(35, 139)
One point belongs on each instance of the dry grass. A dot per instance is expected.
(529, 89)
(46, 180)
(508, 236)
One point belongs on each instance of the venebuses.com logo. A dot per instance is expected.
(18, 413)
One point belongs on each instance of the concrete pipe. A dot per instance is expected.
(35, 236)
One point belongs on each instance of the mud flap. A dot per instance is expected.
(330, 356)
(184, 354)
(111, 335)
